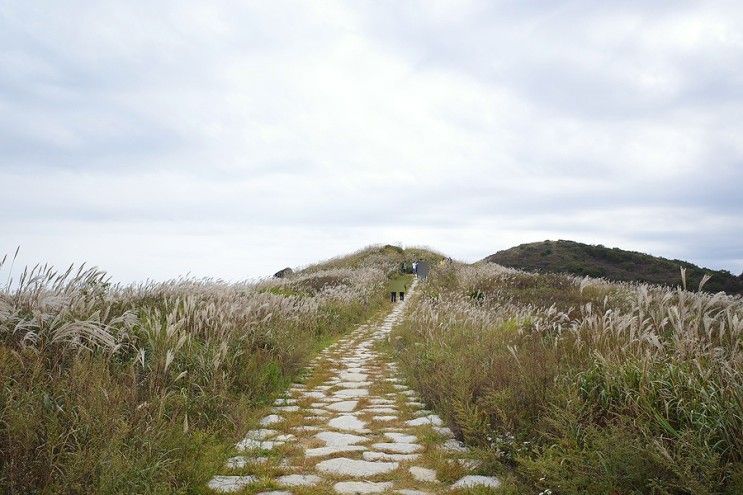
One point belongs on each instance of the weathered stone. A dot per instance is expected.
(298, 479)
(351, 393)
(348, 423)
(340, 449)
(353, 384)
(354, 467)
(476, 480)
(343, 406)
(261, 434)
(283, 273)
(334, 439)
(384, 418)
(398, 448)
(423, 474)
(237, 462)
(352, 377)
(381, 410)
(288, 437)
(271, 419)
(431, 419)
(401, 437)
(361, 487)
(230, 484)
(383, 456)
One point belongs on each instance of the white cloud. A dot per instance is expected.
(231, 139)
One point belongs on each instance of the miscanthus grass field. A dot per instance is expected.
(142, 388)
(572, 385)
(562, 385)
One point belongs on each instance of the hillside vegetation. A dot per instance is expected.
(143, 388)
(573, 385)
(611, 263)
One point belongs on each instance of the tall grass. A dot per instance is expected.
(137, 389)
(577, 385)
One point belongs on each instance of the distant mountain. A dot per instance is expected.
(612, 263)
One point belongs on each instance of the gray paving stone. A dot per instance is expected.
(348, 423)
(473, 480)
(334, 439)
(384, 456)
(230, 484)
(354, 467)
(343, 406)
(298, 480)
(271, 419)
(326, 451)
(423, 474)
(398, 448)
(360, 487)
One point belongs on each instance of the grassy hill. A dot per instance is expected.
(612, 263)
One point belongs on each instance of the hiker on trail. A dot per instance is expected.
(393, 296)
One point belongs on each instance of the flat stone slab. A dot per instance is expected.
(383, 456)
(431, 419)
(335, 439)
(384, 418)
(352, 377)
(313, 395)
(316, 412)
(400, 437)
(397, 447)
(237, 462)
(271, 419)
(476, 480)
(407, 491)
(355, 467)
(275, 492)
(326, 451)
(354, 487)
(351, 393)
(348, 423)
(298, 479)
(354, 384)
(381, 410)
(343, 406)
(230, 484)
(423, 474)
(306, 428)
(261, 434)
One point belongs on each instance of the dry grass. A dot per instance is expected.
(141, 389)
(581, 385)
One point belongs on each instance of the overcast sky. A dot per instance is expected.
(231, 138)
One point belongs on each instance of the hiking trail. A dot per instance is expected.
(351, 427)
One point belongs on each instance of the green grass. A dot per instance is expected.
(612, 263)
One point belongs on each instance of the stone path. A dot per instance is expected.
(351, 427)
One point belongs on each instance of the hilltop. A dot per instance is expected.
(612, 263)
